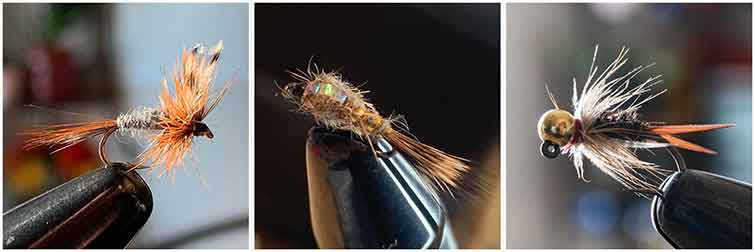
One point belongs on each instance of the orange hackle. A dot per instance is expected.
(666, 132)
(192, 81)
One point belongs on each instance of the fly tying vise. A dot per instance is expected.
(605, 128)
(177, 120)
(337, 104)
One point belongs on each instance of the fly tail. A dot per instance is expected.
(666, 132)
(62, 136)
(689, 128)
(444, 170)
(679, 143)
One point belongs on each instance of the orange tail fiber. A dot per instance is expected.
(443, 169)
(666, 132)
(66, 135)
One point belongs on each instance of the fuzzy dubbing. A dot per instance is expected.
(142, 119)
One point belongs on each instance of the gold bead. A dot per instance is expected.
(557, 126)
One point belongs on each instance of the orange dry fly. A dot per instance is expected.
(177, 120)
(337, 104)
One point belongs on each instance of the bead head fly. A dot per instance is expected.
(606, 128)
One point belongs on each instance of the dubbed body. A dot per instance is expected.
(341, 106)
(336, 104)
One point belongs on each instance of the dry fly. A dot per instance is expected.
(337, 104)
(606, 129)
(174, 123)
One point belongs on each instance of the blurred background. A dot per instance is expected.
(704, 54)
(438, 64)
(104, 59)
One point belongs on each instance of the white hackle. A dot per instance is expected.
(603, 94)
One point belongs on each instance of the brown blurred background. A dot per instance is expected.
(99, 60)
(438, 64)
(704, 53)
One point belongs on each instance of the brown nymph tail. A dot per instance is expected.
(444, 170)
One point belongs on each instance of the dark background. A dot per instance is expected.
(438, 64)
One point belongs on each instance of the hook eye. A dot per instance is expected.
(549, 149)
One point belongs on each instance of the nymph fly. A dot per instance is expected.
(337, 104)
(605, 127)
